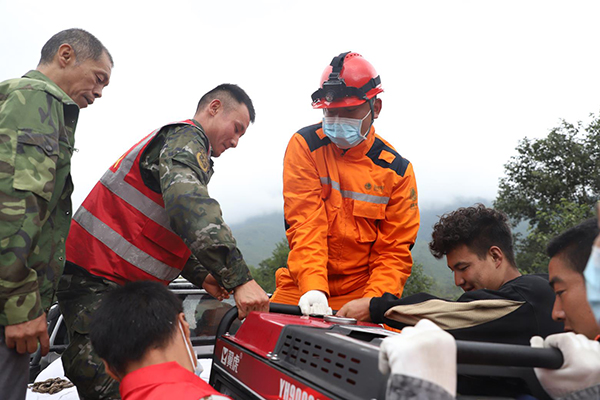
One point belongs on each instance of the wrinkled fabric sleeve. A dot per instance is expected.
(306, 218)
(379, 306)
(390, 261)
(27, 176)
(484, 315)
(194, 272)
(194, 215)
(401, 387)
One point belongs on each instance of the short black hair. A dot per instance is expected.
(227, 92)
(84, 44)
(575, 244)
(476, 227)
(132, 319)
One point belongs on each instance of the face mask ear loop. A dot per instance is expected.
(187, 346)
(372, 116)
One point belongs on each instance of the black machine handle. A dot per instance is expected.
(513, 355)
(232, 314)
(474, 353)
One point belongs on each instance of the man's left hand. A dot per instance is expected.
(213, 288)
(581, 366)
(357, 309)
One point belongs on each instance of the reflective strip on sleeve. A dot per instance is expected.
(368, 198)
(123, 248)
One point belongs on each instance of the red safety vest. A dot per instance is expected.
(122, 231)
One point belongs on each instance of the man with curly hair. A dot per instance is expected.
(499, 304)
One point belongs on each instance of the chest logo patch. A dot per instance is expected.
(202, 161)
(368, 186)
(413, 194)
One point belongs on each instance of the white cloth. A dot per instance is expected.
(423, 351)
(581, 366)
(314, 302)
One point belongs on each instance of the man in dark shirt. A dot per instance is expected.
(499, 304)
(572, 254)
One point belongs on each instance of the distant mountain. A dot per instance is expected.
(256, 237)
(430, 216)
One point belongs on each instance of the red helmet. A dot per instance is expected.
(348, 81)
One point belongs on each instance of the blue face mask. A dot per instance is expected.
(344, 132)
(592, 281)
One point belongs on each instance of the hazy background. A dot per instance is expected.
(463, 80)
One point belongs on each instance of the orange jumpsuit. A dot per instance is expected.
(351, 218)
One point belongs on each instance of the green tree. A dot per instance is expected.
(552, 184)
(264, 275)
(418, 281)
(531, 249)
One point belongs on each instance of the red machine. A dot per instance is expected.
(291, 357)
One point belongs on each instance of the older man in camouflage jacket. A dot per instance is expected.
(38, 115)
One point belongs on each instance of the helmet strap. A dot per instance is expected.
(335, 87)
(336, 67)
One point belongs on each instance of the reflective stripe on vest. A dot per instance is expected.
(123, 248)
(368, 198)
(114, 181)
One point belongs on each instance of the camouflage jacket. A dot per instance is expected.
(37, 126)
(403, 387)
(177, 163)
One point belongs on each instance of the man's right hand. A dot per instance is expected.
(250, 297)
(213, 288)
(25, 337)
(357, 309)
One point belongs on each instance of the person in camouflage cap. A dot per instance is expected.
(38, 115)
(151, 218)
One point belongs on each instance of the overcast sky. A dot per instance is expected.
(464, 81)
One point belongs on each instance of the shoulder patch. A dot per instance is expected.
(386, 157)
(313, 140)
(202, 161)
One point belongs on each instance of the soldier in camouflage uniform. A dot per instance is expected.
(38, 115)
(151, 218)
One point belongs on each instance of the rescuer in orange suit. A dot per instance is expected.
(350, 199)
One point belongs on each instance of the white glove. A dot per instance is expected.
(581, 367)
(314, 302)
(423, 351)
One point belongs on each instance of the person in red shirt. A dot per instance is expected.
(149, 352)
